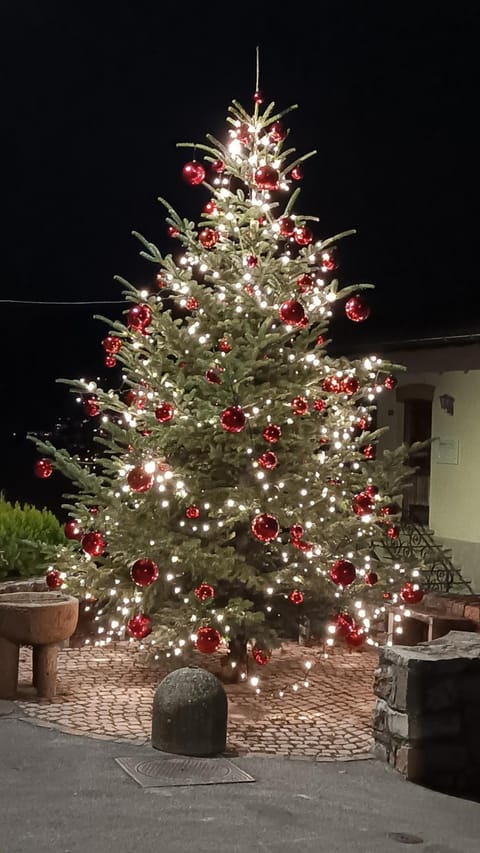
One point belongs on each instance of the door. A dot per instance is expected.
(418, 427)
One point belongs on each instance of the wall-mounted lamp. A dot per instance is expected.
(446, 403)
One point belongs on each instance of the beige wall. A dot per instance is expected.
(454, 485)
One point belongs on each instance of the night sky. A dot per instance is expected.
(94, 102)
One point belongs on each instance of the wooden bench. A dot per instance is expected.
(420, 625)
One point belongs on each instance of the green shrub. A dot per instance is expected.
(25, 534)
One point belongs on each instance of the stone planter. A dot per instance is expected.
(38, 619)
(427, 711)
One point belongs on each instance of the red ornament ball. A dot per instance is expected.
(319, 405)
(43, 469)
(91, 407)
(72, 530)
(292, 313)
(363, 423)
(261, 656)
(164, 412)
(258, 97)
(210, 208)
(218, 166)
(286, 226)
(139, 626)
(299, 405)
(252, 262)
(208, 640)
(139, 317)
(233, 419)
(194, 173)
(208, 237)
(393, 532)
(371, 578)
(243, 133)
(212, 377)
(411, 593)
(139, 480)
(303, 235)
(265, 527)
(192, 511)
(224, 345)
(268, 460)
(272, 433)
(296, 174)
(331, 384)
(371, 490)
(342, 572)
(369, 451)
(355, 638)
(362, 504)
(306, 282)
(204, 591)
(296, 597)
(93, 543)
(296, 531)
(53, 579)
(344, 623)
(357, 309)
(172, 231)
(389, 509)
(131, 397)
(111, 344)
(327, 262)
(144, 572)
(191, 304)
(389, 383)
(350, 385)
(276, 132)
(266, 178)
(110, 361)
(301, 545)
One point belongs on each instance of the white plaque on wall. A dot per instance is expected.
(446, 451)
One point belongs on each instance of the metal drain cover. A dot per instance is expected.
(163, 772)
(405, 838)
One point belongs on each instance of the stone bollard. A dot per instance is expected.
(189, 715)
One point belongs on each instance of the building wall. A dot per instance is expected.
(454, 496)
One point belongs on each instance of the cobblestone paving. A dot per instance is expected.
(107, 692)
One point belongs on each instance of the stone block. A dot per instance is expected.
(397, 724)
(189, 715)
(382, 681)
(380, 751)
(472, 611)
(408, 760)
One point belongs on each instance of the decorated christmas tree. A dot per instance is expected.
(235, 488)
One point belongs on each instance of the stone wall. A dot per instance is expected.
(455, 605)
(426, 719)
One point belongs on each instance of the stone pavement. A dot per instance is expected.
(107, 692)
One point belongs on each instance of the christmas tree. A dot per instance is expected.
(235, 487)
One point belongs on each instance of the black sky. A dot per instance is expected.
(96, 97)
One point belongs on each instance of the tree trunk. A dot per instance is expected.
(235, 664)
